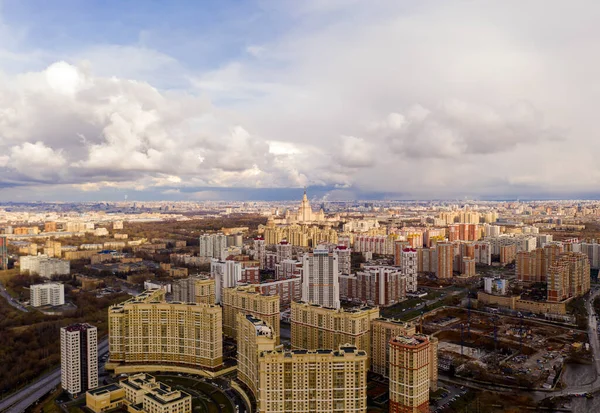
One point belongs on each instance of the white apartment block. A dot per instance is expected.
(409, 266)
(47, 294)
(344, 259)
(44, 266)
(227, 274)
(320, 278)
(213, 245)
(79, 358)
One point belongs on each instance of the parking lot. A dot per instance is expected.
(449, 395)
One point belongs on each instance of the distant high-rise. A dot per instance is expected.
(212, 245)
(3, 252)
(320, 278)
(79, 358)
(408, 265)
(344, 259)
(227, 274)
(194, 290)
(445, 260)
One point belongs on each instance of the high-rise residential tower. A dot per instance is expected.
(79, 358)
(320, 278)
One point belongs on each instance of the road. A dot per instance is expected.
(595, 347)
(25, 397)
(11, 300)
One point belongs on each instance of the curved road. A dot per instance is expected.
(25, 397)
(11, 300)
(595, 347)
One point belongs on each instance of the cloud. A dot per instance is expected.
(422, 99)
(355, 152)
(458, 128)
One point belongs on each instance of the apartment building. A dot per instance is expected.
(247, 300)
(320, 278)
(410, 358)
(568, 277)
(313, 381)
(194, 290)
(79, 358)
(314, 327)
(227, 274)
(148, 330)
(382, 331)
(44, 266)
(46, 294)
(375, 285)
(445, 260)
(288, 290)
(255, 336)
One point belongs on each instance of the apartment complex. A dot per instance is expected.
(146, 329)
(44, 266)
(47, 294)
(313, 381)
(247, 300)
(315, 327)
(79, 358)
(320, 278)
(374, 285)
(410, 358)
(569, 276)
(255, 336)
(194, 290)
(533, 266)
(139, 393)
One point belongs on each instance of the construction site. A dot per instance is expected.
(506, 350)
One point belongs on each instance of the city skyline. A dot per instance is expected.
(234, 101)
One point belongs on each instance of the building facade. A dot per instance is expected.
(313, 381)
(320, 278)
(255, 336)
(79, 358)
(409, 374)
(148, 330)
(247, 300)
(47, 294)
(314, 327)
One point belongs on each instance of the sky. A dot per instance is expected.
(356, 99)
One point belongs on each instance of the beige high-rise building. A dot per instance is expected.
(315, 327)
(255, 336)
(445, 260)
(53, 249)
(195, 290)
(382, 331)
(246, 300)
(148, 330)
(313, 381)
(410, 358)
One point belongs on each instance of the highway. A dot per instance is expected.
(595, 347)
(27, 396)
